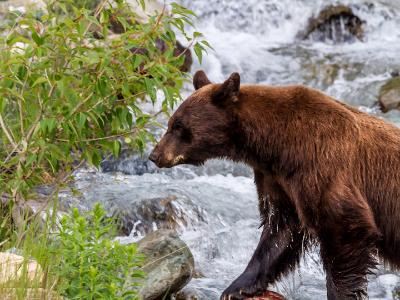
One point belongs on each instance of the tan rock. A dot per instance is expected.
(28, 294)
(14, 267)
(389, 95)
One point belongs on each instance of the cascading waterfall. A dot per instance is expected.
(259, 38)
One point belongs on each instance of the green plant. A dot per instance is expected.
(71, 92)
(90, 264)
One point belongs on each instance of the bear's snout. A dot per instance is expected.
(158, 158)
(154, 157)
(164, 158)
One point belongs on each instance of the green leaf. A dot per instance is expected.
(150, 89)
(137, 60)
(198, 49)
(116, 148)
(142, 4)
(38, 39)
(102, 86)
(204, 42)
(124, 23)
(104, 16)
(39, 81)
(197, 34)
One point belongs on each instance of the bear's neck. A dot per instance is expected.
(260, 124)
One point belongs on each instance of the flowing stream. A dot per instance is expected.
(217, 203)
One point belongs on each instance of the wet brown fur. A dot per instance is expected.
(324, 172)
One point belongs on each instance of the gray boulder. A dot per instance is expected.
(160, 213)
(190, 293)
(389, 95)
(169, 264)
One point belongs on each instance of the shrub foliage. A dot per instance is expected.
(71, 91)
(89, 264)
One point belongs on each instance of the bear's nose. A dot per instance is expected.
(153, 157)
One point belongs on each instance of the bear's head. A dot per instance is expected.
(201, 127)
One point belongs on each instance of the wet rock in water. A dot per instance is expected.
(169, 264)
(389, 95)
(396, 293)
(335, 23)
(395, 73)
(147, 215)
(129, 163)
(195, 294)
(15, 267)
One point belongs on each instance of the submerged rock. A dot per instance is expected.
(128, 163)
(160, 213)
(336, 23)
(389, 95)
(169, 264)
(196, 294)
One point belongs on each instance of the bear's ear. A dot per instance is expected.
(228, 91)
(200, 79)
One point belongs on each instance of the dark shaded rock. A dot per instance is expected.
(335, 23)
(169, 264)
(189, 293)
(160, 213)
(396, 293)
(129, 163)
(389, 95)
(395, 73)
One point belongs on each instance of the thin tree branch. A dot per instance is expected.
(6, 132)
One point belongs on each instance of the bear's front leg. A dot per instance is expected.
(278, 252)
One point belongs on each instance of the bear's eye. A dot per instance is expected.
(186, 135)
(183, 132)
(177, 125)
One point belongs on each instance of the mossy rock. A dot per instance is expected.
(389, 95)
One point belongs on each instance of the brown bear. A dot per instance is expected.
(325, 173)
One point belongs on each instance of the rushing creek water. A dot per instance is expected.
(218, 201)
